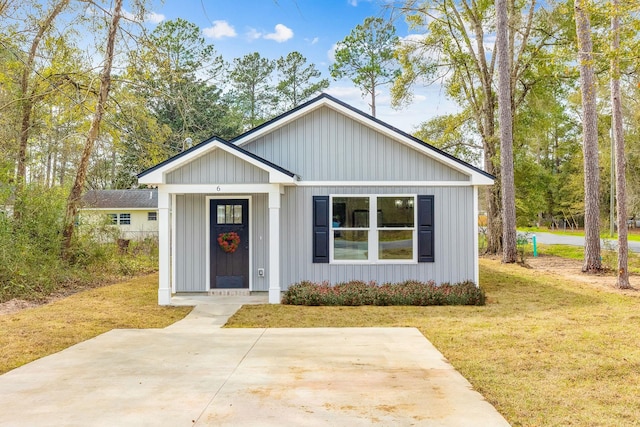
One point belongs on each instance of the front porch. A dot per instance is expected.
(187, 239)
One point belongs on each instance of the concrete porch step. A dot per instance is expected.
(229, 292)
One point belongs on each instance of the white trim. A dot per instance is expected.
(164, 262)
(219, 188)
(373, 229)
(207, 222)
(172, 242)
(475, 177)
(274, 246)
(384, 183)
(155, 209)
(158, 176)
(476, 262)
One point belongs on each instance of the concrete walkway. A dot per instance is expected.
(195, 373)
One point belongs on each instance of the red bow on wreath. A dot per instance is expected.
(229, 242)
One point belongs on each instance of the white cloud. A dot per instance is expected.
(313, 40)
(253, 34)
(354, 3)
(331, 53)
(150, 17)
(220, 30)
(154, 18)
(281, 34)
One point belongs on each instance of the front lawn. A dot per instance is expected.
(544, 351)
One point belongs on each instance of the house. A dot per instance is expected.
(134, 213)
(323, 192)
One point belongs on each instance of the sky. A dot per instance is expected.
(275, 28)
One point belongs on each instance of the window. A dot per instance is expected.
(112, 218)
(125, 219)
(152, 216)
(373, 228)
(229, 214)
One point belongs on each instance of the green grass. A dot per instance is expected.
(545, 352)
(37, 332)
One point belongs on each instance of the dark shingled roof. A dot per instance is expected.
(106, 199)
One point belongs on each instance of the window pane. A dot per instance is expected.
(152, 216)
(350, 212)
(395, 244)
(113, 218)
(228, 214)
(237, 214)
(220, 214)
(125, 219)
(395, 212)
(350, 245)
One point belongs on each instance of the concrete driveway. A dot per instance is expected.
(195, 373)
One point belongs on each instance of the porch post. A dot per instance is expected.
(274, 246)
(476, 255)
(164, 249)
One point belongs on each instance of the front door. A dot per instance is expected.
(229, 251)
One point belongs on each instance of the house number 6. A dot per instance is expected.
(218, 188)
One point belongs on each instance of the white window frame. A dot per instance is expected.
(372, 230)
(120, 218)
(152, 214)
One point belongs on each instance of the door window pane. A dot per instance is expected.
(237, 214)
(395, 244)
(229, 214)
(220, 214)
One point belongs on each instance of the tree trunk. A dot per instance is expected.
(618, 139)
(494, 216)
(27, 100)
(373, 97)
(509, 254)
(73, 201)
(592, 261)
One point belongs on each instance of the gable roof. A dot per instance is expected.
(155, 174)
(478, 176)
(120, 199)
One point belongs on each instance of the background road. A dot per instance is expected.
(556, 239)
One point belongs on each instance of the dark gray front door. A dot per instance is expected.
(229, 269)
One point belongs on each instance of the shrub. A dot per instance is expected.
(30, 262)
(410, 292)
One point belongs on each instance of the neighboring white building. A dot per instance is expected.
(133, 212)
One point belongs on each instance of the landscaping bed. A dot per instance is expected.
(410, 292)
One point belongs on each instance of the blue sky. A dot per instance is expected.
(276, 27)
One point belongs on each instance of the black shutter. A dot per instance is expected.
(321, 229)
(425, 229)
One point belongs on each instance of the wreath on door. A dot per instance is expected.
(229, 242)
